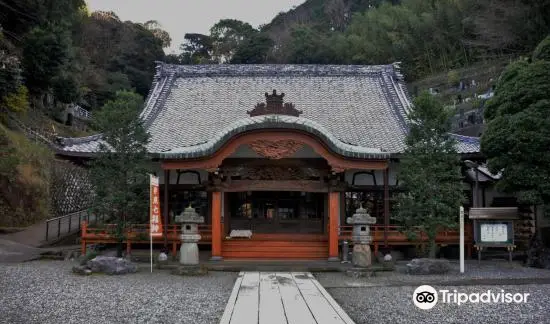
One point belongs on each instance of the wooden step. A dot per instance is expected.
(285, 250)
(285, 237)
(270, 249)
(274, 244)
(275, 255)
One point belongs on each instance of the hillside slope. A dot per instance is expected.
(25, 179)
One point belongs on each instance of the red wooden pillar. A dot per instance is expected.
(386, 205)
(216, 225)
(165, 209)
(333, 216)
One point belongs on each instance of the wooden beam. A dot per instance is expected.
(272, 185)
(333, 216)
(386, 205)
(216, 225)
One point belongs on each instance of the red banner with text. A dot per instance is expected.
(155, 222)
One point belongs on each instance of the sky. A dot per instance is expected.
(179, 17)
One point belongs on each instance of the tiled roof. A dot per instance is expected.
(467, 144)
(191, 110)
(482, 174)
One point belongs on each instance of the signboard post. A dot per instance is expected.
(155, 224)
(461, 223)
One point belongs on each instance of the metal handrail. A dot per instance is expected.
(71, 226)
(81, 112)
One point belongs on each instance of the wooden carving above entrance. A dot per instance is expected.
(275, 149)
(274, 105)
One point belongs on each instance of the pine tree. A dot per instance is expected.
(119, 173)
(430, 173)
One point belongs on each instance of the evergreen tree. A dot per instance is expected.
(119, 173)
(430, 173)
(45, 52)
(517, 137)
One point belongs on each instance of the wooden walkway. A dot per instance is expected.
(281, 298)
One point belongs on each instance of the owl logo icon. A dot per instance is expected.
(425, 297)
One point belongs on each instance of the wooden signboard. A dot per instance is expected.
(494, 228)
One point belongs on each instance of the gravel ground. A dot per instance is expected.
(387, 297)
(47, 292)
(394, 305)
(487, 270)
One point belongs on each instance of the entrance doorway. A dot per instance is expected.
(277, 211)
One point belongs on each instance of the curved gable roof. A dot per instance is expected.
(363, 106)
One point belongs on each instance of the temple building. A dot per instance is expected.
(282, 152)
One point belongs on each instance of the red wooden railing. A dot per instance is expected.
(396, 236)
(138, 233)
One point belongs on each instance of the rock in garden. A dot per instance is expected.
(111, 265)
(428, 266)
(82, 270)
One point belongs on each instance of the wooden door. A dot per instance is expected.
(278, 212)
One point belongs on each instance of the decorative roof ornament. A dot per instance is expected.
(274, 105)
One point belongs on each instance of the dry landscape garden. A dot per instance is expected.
(348, 161)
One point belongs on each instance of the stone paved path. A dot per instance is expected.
(11, 251)
(25, 245)
(281, 298)
(35, 235)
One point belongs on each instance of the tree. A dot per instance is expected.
(45, 52)
(430, 172)
(66, 88)
(309, 46)
(227, 35)
(17, 17)
(126, 57)
(156, 29)
(254, 50)
(197, 49)
(517, 135)
(10, 68)
(119, 173)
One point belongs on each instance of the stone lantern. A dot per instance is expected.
(361, 237)
(190, 220)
